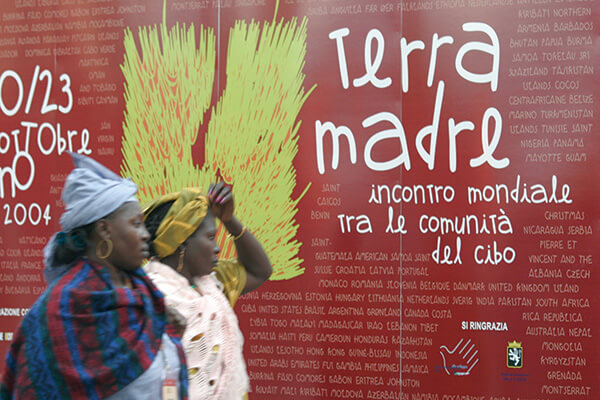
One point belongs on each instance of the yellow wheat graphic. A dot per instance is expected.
(252, 133)
(167, 92)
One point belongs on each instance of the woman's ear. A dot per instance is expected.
(102, 229)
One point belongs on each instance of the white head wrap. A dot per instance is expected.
(91, 192)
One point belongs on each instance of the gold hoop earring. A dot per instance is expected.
(109, 249)
(180, 264)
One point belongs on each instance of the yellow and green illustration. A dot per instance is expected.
(251, 135)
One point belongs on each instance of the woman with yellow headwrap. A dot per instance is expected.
(202, 288)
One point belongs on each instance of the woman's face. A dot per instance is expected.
(129, 237)
(201, 249)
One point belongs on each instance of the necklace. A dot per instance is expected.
(197, 289)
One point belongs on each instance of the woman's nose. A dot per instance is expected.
(144, 234)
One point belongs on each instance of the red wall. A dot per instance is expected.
(394, 300)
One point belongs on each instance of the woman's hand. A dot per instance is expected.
(176, 319)
(249, 251)
(221, 201)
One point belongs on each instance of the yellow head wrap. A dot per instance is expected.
(183, 218)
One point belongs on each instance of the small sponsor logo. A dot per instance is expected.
(514, 355)
(460, 360)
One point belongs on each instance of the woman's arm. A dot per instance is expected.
(250, 252)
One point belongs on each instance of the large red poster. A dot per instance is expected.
(421, 173)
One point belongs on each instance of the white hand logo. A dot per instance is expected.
(459, 362)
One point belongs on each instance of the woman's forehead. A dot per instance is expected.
(128, 210)
(208, 224)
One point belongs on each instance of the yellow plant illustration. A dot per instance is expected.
(252, 134)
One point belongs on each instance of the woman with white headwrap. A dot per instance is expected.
(100, 330)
